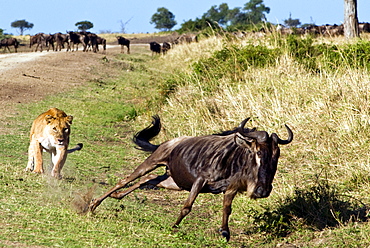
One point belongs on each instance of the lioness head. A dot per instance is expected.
(58, 127)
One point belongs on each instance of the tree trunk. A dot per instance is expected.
(350, 19)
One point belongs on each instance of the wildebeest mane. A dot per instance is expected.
(228, 132)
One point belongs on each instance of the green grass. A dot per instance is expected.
(321, 190)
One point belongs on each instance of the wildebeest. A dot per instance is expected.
(61, 39)
(123, 42)
(101, 41)
(39, 40)
(7, 42)
(186, 38)
(92, 42)
(49, 41)
(165, 47)
(76, 38)
(240, 160)
(364, 27)
(155, 47)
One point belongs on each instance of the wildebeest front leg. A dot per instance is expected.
(147, 166)
(195, 190)
(164, 181)
(228, 199)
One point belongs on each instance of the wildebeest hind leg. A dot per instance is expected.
(147, 166)
(163, 181)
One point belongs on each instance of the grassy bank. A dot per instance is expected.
(318, 87)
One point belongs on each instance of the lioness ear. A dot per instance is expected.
(242, 141)
(48, 118)
(69, 119)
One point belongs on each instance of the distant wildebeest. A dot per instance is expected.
(77, 38)
(364, 27)
(165, 47)
(49, 41)
(155, 47)
(95, 41)
(92, 42)
(186, 38)
(334, 30)
(7, 42)
(39, 40)
(123, 42)
(101, 41)
(61, 39)
(239, 160)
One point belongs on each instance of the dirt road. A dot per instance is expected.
(29, 77)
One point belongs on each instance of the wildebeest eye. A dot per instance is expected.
(259, 153)
(66, 130)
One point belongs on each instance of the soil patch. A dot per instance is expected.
(29, 77)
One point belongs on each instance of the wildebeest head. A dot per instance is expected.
(265, 151)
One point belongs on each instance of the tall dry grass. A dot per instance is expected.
(328, 112)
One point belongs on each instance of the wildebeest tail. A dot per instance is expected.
(76, 148)
(142, 138)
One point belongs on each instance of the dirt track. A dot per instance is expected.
(29, 77)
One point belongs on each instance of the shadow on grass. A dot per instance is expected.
(316, 207)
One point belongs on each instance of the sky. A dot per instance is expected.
(51, 16)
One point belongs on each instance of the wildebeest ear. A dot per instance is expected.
(48, 118)
(69, 119)
(242, 141)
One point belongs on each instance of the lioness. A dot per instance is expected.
(50, 132)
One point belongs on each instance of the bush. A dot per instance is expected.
(328, 56)
(232, 60)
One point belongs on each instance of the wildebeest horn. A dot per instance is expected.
(260, 136)
(242, 124)
(276, 138)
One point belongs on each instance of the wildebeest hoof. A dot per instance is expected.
(93, 205)
(225, 234)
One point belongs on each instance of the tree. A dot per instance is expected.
(198, 24)
(251, 14)
(218, 14)
(350, 19)
(292, 23)
(84, 25)
(163, 19)
(124, 24)
(255, 11)
(22, 25)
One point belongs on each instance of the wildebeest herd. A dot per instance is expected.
(71, 40)
(89, 42)
(327, 30)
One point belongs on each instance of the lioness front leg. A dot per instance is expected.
(58, 159)
(35, 157)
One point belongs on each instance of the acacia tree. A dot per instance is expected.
(22, 25)
(84, 25)
(163, 19)
(350, 19)
(292, 23)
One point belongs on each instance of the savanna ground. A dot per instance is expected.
(321, 190)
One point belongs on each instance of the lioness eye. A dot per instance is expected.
(55, 129)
